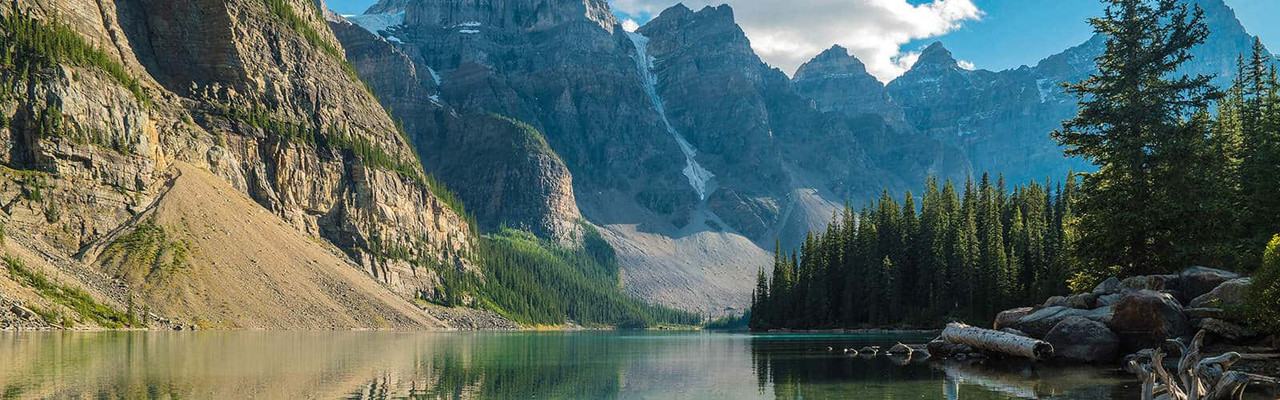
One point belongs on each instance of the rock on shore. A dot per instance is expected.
(1122, 316)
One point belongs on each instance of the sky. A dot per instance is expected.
(887, 35)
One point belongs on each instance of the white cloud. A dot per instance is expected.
(902, 62)
(630, 25)
(966, 65)
(787, 35)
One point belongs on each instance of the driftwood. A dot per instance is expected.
(1198, 377)
(996, 341)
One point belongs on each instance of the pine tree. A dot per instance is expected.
(1132, 116)
(760, 297)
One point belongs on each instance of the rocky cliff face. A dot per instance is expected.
(257, 93)
(838, 82)
(502, 169)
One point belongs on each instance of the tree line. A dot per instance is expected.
(961, 254)
(1187, 175)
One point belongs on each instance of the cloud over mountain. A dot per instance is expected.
(785, 35)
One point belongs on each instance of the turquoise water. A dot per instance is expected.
(528, 365)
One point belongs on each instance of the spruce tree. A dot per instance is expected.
(1132, 116)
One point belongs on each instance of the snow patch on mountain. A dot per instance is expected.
(699, 177)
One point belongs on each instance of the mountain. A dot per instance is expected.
(690, 153)
(211, 161)
(1002, 119)
(838, 82)
(526, 184)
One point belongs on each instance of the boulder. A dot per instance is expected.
(1150, 282)
(1108, 299)
(1010, 317)
(1205, 312)
(1083, 339)
(1083, 301)
(1052, 301)
(1225, 294)
(1038, 323)
(1109, 286)
(1227, 330)
(22, 312)
(1196, 281)
(1146, 318)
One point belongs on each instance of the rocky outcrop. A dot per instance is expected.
(1038, 323)
(1007, 318)
(1136, 313)
(503, 170)
(1145, 319)
(1083, 339)
(1196, 281)
(1227, 293)
(258, 93)
(838, 82)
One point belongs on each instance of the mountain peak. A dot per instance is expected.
(936, 54)
(833, 62)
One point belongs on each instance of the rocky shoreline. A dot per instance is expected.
(1120, 319)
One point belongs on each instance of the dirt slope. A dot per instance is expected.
(246, 268)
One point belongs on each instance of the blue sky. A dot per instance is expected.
(1018, 32)
(1001, 34)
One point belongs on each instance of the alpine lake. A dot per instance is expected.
(516, 365)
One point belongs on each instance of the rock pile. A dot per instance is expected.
(1135, 313)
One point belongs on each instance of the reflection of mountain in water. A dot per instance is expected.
(586, 365)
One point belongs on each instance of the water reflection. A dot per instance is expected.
(804, 368)
(590, 365)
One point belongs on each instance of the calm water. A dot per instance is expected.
(383, 365)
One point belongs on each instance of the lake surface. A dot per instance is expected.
(529, 365)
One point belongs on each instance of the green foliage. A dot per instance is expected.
(534, 281)
(729, 322)
(529, 139)
(1246, 144)
(52, 213)
(1144, 125)
(29, 45)
(73, 298)
(146, 255)
(33, 185)
(957, 256)
(1262, 302)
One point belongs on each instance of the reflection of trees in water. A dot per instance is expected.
(521, 366)
(811, 371)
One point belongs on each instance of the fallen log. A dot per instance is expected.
(996, 341)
